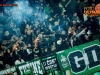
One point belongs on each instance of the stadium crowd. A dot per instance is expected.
(64, 28)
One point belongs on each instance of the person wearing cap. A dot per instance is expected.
(90, 36)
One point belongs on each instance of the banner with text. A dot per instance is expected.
(10, 70)
(80, 60)
(50, 65)
(33, 67)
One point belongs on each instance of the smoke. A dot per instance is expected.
(25, 12)
(16, 15)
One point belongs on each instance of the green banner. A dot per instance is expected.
(33, 67)
(80, 60)
(10, 70)
(63, 61)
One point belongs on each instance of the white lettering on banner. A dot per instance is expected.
(50, 63)
(7, 71)
(35, 65)
(24, 67)
(94, 55)
(44, 63)
(85, 58)
(20, 69)
(38, 64)
(94, 52)
(76, 61)
(51, 66)
(79, 61)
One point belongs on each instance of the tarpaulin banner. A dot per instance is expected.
(51, 65)
(33, 67)
(80, 60)
(10, 70)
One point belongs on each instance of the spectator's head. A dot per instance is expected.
(66, 39)
(27, 26)
(2, 46)
(21, 37)
(74, 39)
(92, 19)
(56, 23)
(59, 42)
(63, 33)
(98, 17)
(85, 1)
(75, 14)
(45, 49)
(53, 48)
(47, 5)
(6, 33)
(79, 27)
(41, 0)
(74, 21)
(63, 0)
(89, 32)
(47, 38)
(60, 5)
(28, 32)
(54, 43)
(14, 38)
(1, 53)
(8, 51)
(67, 23)
(50, 19)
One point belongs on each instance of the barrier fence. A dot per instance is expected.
(79, 60)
